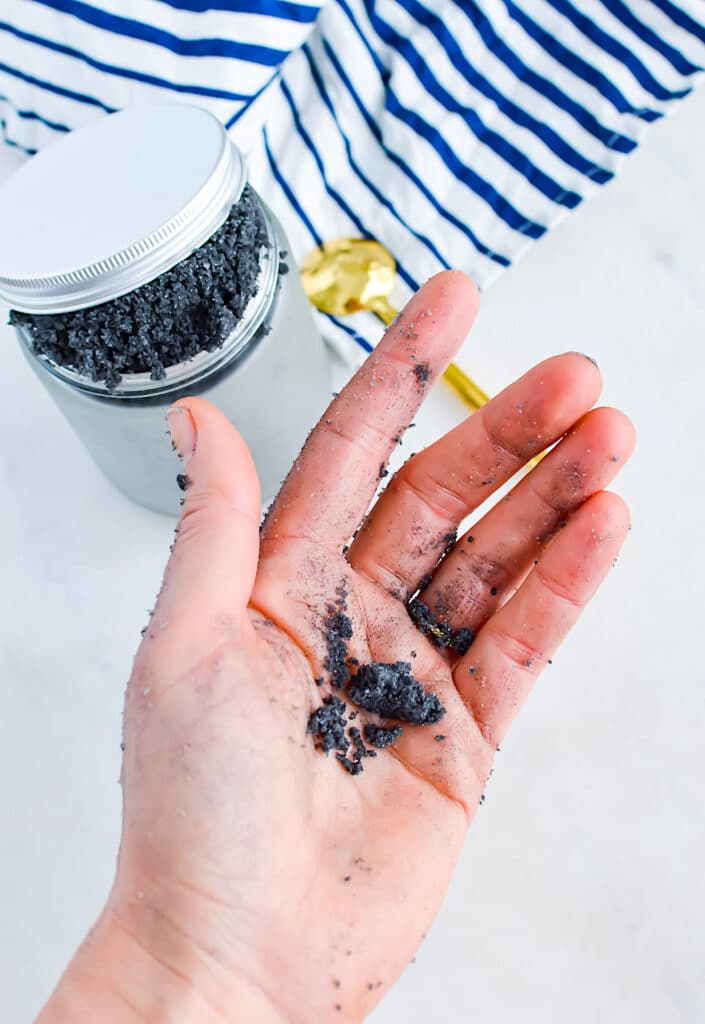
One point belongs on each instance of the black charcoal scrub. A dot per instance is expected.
(141, 267)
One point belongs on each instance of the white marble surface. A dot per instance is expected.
(580, 896)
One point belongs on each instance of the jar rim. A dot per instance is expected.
(114, 205)
(204, 363)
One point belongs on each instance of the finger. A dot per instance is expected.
(495, 555)
(334, 479)
(210, 574)
(496, 675)
(413, 520)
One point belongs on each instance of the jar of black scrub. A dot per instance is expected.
(141, 267)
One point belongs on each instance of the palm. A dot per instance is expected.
(243, 825)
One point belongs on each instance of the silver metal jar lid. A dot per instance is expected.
(113, 205)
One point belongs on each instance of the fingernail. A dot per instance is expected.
(183, 432)
(590, 359)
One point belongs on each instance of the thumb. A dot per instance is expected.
(210, 575)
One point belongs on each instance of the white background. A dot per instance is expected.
(581, 894)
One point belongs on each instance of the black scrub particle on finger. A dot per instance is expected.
(439, 738)
(191, 308)
(439, 633)
(183, 481)
(327, 725)
(423, 372)
(390, 690)
(462, 640)
(424, 581)
(173, 543)
(447, 541)
(265, 518)
(381, 736)
(383, 471)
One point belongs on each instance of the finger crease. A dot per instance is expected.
(555, 508)
(558, 590)
(394, 752)
(520, 652)
(499, 446)
(383, 575)
(336, 430)
(447, 518)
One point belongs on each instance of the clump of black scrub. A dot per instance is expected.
(386, 689)
(462, 640)
(441, 634)
(338, 631)
(391, 691)
(189, 309)
(327, 725)
(354, 764)
(380, 736)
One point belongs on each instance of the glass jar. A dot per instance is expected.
(110, 209)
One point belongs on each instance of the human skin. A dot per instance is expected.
(257, 880)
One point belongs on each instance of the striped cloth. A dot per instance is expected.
(456, 132)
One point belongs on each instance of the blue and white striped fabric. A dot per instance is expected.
(454, 131)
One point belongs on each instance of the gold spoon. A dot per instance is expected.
(347, 275)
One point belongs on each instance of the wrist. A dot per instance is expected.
(119, 976)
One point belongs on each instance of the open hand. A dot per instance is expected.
(259, 878)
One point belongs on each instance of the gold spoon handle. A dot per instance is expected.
(470, 392)
(384, 311)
